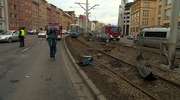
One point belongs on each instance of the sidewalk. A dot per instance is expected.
(40, 78)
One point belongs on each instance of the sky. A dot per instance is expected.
(106, 12)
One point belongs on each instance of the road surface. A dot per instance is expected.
(29, 74)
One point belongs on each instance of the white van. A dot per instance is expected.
(153, 37)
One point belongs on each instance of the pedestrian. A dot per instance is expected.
(22, 34)
(52, 41)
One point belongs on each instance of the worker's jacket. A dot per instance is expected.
(52, 34)
(22, 33)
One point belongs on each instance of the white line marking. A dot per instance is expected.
(26, 49)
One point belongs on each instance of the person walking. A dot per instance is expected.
(22, 34)
(52, 41)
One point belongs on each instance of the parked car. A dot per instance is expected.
(32, 32)
(59, 37)
(64, 31)
(67, 32)
(130, 37)
(102, 37)
(42, 34)
(9, 36)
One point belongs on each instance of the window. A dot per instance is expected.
(179, 25)
(1, 13)
(155, 34)
(159, 10)
(168, 12)
(146, 3)
(115, 29)
(14, 7)
(1, 2)
(145, 13)
(1, 26)
(169, 1)
(15, 16)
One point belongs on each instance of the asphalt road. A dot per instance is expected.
(29, 74)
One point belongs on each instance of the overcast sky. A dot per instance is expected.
(107, 12)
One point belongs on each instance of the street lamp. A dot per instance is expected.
(173, 33)
(87, 11)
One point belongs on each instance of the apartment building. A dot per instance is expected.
(35, 16)
(3, 15)
(121, 13)
(81, 21)
(96, 27)
(68, 18)
(127, 19)
(143, 14)
(164, 12)
(42, 13)
(52, 14)
(19, 12)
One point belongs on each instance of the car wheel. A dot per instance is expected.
(107, 41)
(9, 40)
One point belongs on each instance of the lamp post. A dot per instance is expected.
(173, 33)
(87, 12)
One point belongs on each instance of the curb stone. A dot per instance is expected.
(94, 90)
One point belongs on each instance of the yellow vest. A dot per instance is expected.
(22, 33)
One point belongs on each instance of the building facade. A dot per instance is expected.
(52, 14)
(127, 19)
(121, 13)
(164, 12)
(34, 22)
(19, 12)
(141, 15)
(82, 22)
(35, 14)
(3, 15)
(43, 13)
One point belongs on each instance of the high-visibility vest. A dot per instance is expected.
(22, 33)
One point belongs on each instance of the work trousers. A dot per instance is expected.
(52, 47)
(21, 41)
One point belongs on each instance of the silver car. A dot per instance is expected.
(9, 36)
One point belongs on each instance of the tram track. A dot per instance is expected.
(166, 74)
(153, 90)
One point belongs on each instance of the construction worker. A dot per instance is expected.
(22, 34)
(52, 40)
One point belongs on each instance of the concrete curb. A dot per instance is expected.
(93, 89)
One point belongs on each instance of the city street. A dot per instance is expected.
(89, 50)
(29, 74)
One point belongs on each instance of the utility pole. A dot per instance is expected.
(6, 15)
(173, 33)
(87, 15)
(87, 11)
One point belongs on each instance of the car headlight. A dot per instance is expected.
(111, 36)
(3, 37)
